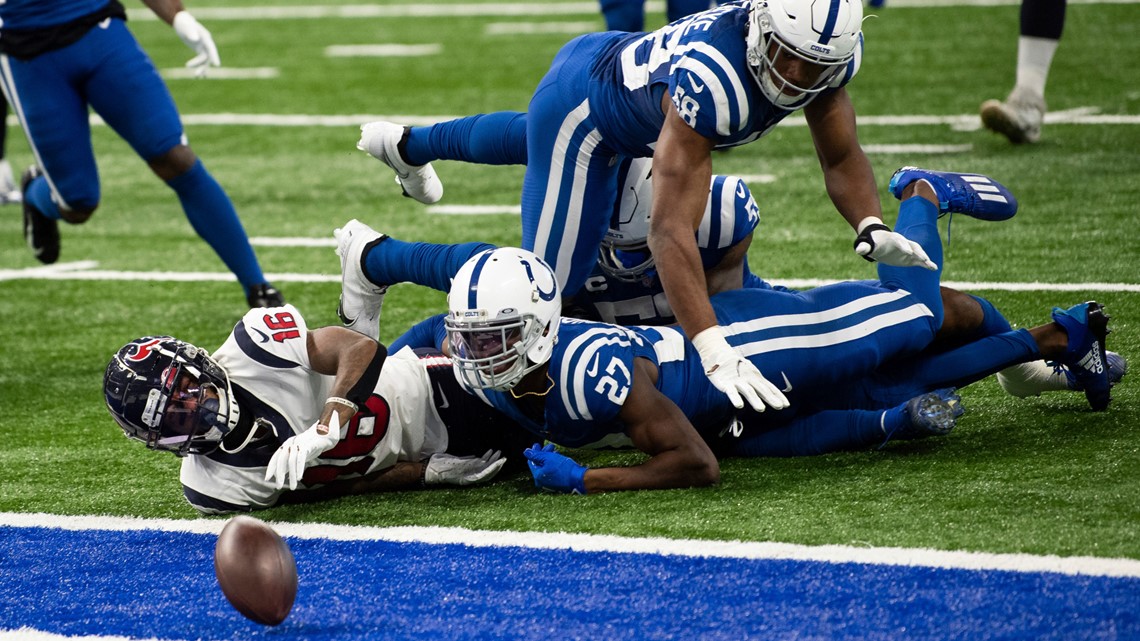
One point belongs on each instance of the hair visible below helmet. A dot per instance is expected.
(504, 309)
(825, 33)
(624, 251)
(170, 395)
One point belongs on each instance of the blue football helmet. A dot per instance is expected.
(170, 395)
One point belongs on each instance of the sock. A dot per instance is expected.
(918, 221)
(428, 264)
(39, 196)
(488, 139)
(1034, 57)
(993, 322)
(426, 333)
(212, 215)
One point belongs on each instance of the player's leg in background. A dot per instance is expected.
(150, 123)
(1021, 115)
(9, 189)
(677, 9)
(624, 15)
(497, 138)
(431, 265)
(918, 221)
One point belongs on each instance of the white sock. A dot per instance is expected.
(1034, 56)
(1032, 378)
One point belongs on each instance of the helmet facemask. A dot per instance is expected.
(493, 354)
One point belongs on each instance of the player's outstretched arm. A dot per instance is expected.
(192, 33)
(678, 456)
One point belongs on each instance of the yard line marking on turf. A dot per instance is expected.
(383, 51)
(915, 557)
(966, 122)
(532, 28)
(917, 149)
(759, 179)
(85, 270)
(474, 210)
(281, 241)
(223, 73)
(436, 10)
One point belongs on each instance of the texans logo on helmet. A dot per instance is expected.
(142, 352)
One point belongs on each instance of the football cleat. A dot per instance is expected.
(360, 298)
(40, 232)
(1033, 378)
(975, 195)
(10, 192)
(383, 141)
(932, 414)
(1019, 118)
(264, 295)
(1087, 327)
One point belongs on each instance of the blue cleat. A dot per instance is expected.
(975, 195)
(932, 414)
(1086, 357)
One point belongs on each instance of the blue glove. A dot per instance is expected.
(555, 472)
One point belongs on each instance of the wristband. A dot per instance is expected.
(343, 401)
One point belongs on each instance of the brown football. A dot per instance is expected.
(256, 570)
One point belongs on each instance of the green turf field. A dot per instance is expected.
(1040, 475)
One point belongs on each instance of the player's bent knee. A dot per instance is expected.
(172, 164)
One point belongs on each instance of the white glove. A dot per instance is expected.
(876, 242)
(199, 39)
(462, 470)
(735, 375)
(289, 461)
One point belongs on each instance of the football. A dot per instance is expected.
(256, 570)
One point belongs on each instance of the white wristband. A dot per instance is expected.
(866, 222)
(711, 345)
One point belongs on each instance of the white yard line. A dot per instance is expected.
(86, 270)
(911, 557)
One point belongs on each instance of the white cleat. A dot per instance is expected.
(10, 192)
(360, 298)
(1019, 118)
(381, 139)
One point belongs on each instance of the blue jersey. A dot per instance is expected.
(730, 218)
(701, 61)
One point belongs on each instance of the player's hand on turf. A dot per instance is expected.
(199, 39)
(445, 469)
(289, 461)
(878, 243)
(735, 375)
(553, 471)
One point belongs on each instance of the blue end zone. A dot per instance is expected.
(158, 584)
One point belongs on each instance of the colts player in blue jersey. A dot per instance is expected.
(57, 57)
(837, 351)
(716, 79)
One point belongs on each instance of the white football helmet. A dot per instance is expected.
(624, 252)
(504, 309)
(824, 34)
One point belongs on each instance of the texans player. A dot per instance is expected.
(716, 79)
(578, 383)
(326, 412)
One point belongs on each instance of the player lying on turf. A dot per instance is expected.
(624, 288)
(327, 412)
(578, 383)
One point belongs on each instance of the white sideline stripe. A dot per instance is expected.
(31, 634)
(85, 270)
(223, 73)
(531, 28)
(282, 241)
(920, 557)
(382, 51)
(917, 149)
(966, 122)
(474, 210)
(435, 10)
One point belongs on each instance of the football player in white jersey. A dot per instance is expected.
(280, 413)
(719, 78)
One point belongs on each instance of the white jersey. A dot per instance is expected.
(267, 360)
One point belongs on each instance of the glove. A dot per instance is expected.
(876, 242)
(199, 39)
(445, 469)
(555, 472)
(289, 461)
(735, 375)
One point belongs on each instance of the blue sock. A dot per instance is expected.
(212, 215)
(972, 362)
(918, 221)
(993, 322)
(426, 333)
(488, 139)
(39, 195)
(428, 264)
(677, 9)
